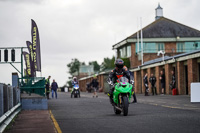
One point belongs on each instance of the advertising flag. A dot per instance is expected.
(30, 49)
(36, 46)
(27, 62)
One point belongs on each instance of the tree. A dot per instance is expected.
(96, 65)
(108, 63)
(74, 66)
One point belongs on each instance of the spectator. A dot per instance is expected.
(152, 80)
(173, 81)
(146, 84)
(47, 84)
(88, 88)
(133, 91)
(95, 85)
(54, 87)
(162, 80)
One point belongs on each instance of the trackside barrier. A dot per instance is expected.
(9, 104)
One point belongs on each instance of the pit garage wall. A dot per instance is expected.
(186, 72)
(192, 72)
(102, 79)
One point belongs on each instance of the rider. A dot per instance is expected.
(74, 82)
(119, 71)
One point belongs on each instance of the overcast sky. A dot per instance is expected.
(83, 29)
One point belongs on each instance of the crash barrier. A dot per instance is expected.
(32, 85)
(195, 92)
(9, 104)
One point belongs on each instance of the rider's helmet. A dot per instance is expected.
(74, 78)
(119, 63)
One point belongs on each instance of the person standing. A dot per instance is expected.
(152, 80)
(173, 81)
(54, 87)
(162, 80)
(47, 84)
(95, 85)
(146, 84)
(133, 91)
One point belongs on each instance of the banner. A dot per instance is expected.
(30, 49)
(27, 62)
(36, 46)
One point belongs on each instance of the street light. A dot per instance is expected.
(161, 52)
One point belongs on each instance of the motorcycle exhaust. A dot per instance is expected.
(118, 108)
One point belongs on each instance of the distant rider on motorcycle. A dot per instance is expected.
(74, 82)
(119, 71)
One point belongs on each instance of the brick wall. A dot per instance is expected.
(157, 75)
(168, 78)
(192, 72)
(138, 82)
(180, 77)
(170, 47)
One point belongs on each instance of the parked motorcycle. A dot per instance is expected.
(75, 92)
(122, 96)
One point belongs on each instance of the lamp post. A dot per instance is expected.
(161, 52)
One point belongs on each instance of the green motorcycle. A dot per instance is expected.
(122, 95)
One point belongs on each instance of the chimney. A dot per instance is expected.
(159, 12)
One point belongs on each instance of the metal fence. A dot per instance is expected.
(32, 85)
(9, 98)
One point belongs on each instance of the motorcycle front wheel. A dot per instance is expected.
(125, 105)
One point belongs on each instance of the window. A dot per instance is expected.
(137, 47)
(160, 46)
(150, 47)
(125, 51)
(122, 52)
(128, 51)
(187, 46)
(180, 47)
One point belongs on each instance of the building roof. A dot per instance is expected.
(166, 28)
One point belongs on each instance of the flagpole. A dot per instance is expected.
(141, 40)
(138, 36)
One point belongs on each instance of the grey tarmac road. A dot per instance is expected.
(96, 115)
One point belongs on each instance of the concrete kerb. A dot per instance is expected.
(8, 117)
(57, 127)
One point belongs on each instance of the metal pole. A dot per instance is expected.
(141, 40)
(21, 62)
(138, 49)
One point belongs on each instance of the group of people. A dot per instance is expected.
(153, 80)
(53, 87)
(94, 84)
(120, 70)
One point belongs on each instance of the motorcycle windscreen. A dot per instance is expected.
(123, 79)
(76, 85)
